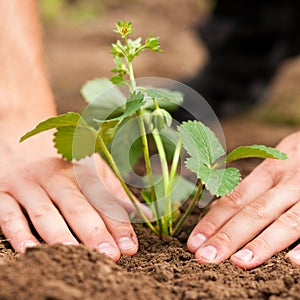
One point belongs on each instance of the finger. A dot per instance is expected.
(279, 235)
(14, 224)
(226, 207)
(81, 216)
(43, 214)
(115, 217)
(247, 223)
(93, 170)
(294, 255)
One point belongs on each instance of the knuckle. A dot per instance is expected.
(21, 234)
(98, 234)
(77, 207)
(43, 209)
(225, 238)
(291, 220)
(123, 229)
(206, 226)
(256, 211)
(234, 200)
(86, 182)
(261, 245)
(8, 218)
(267, 167)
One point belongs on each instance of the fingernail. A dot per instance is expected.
(245, 255)
(294, 255)
(197, 240)
(70, 244)
(125, 243)
(28, 244)
(208, 252)
(107, 249)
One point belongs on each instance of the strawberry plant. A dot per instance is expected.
(113, 116)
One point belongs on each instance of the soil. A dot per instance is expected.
(163, 268)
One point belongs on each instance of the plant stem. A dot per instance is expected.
(125, 187)
(189, 210)
(172, 174)
(132, 87)
(149, 168)
(165, 173)
(132, 84)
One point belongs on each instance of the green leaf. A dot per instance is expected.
(64, 120)
(120, 66)
(93, 88)
(131, 107)
(108, 130)
(259, 151)
(219, 182)
(74, 137)
(200, 142)
(152, 43)
(104, 98)
(165, 95)
(136, 95)
(76, 142)
(135, 43)
(118, 49)
(118, 80)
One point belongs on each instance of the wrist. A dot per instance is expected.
(24, 89)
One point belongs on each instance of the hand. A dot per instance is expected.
(260, 217)
(36, 183)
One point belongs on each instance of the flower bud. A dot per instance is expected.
(161, 119)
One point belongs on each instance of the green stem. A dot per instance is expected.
(189, 210)
(132, 84)
(125, 187)
(165, 173)
(219, 164)
(172, 174)
(149, 168)
(132, 87)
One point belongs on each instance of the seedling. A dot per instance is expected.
(80, 135)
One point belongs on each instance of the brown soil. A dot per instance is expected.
(163, 268)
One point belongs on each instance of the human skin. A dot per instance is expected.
(35, 183)
(258, 219)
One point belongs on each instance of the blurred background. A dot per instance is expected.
(194, 35)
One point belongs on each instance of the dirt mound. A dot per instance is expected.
(61, 272)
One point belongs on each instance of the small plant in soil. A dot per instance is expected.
(145, 110)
